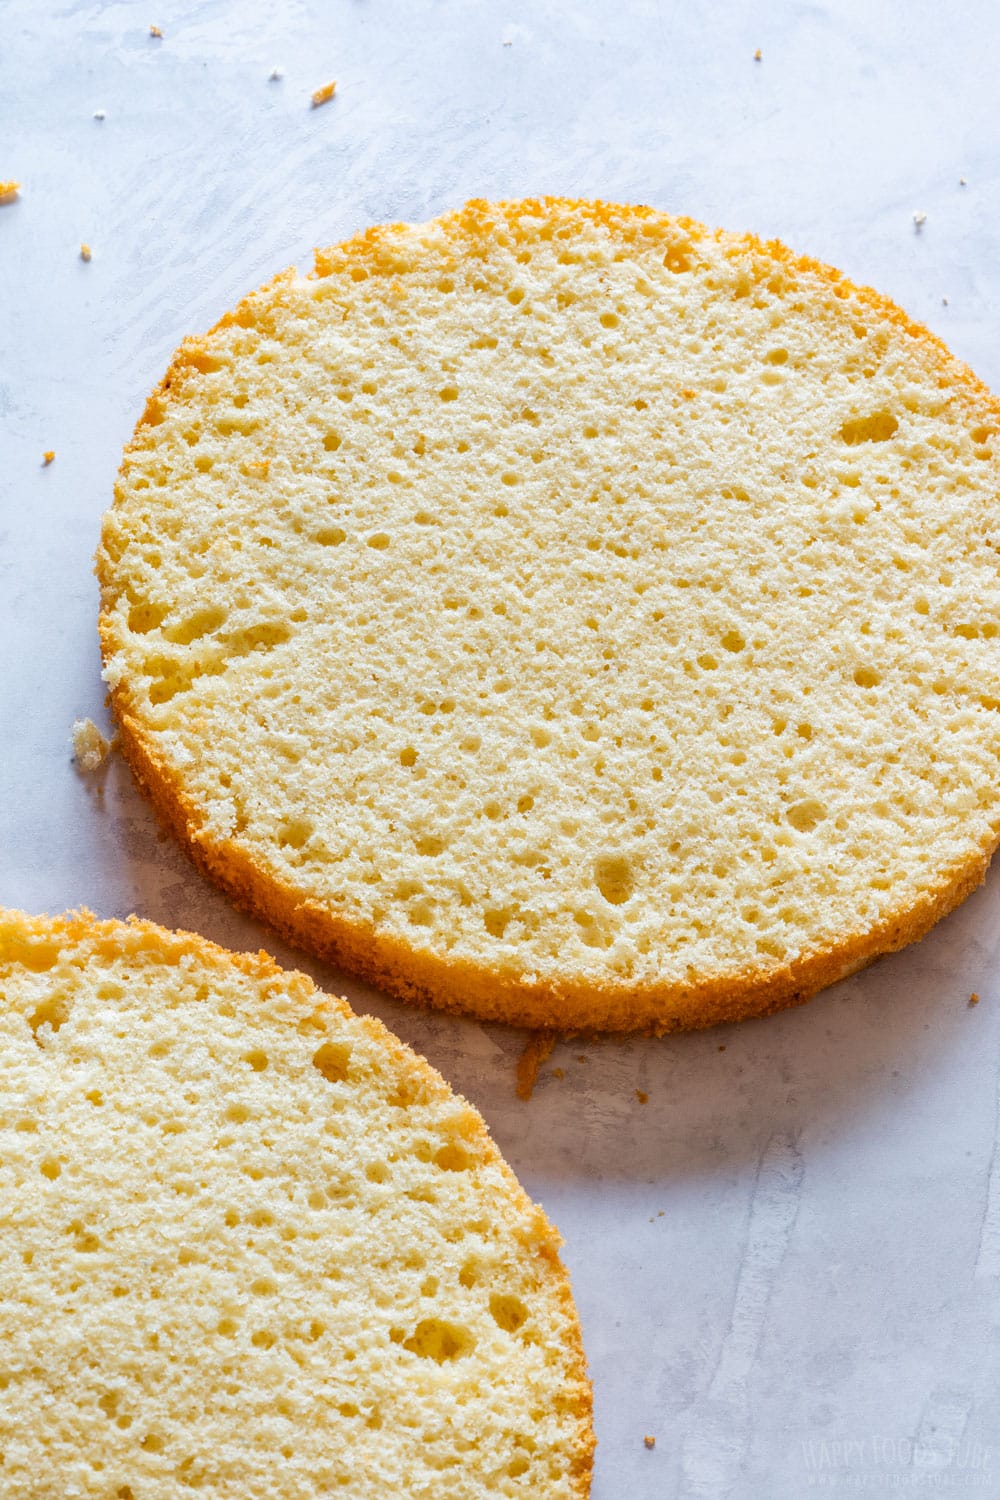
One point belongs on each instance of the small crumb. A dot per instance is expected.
(920, 218)
(90, 748)
(642, 1098)
(722, 1046)
(100, 114)
(944, 301)
(660, 1214)
(47, 457)
(649, 1441)
(85, 251)
(756, 57)
(536, 1050)
(323, 95)
(275, 75)
(9, 191)
(973, 998)
(558, 1073)
(508, 41)
(154, 30)
(962, 182)
(581, 1057)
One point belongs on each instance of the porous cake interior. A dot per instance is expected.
(572, 592)
(250, 1245)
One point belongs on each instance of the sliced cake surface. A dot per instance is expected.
(569, 614)
(251, 1245)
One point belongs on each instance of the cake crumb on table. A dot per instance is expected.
(9, 191)
(275, 75)
(321, 96)
(973, 998)
(920, 218)
(100, 114)
(85, 251)
(47, 457)
(536, 1050)
(156, 31)
(649, 1440)
(558, 1072)
(642, 1097)
(90, 747)
(757, 55)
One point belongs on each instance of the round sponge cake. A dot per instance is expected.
(252, 1245)
(568, 614)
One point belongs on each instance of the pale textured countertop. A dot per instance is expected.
(787, 1262)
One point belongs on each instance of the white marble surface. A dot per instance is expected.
(787, 1262)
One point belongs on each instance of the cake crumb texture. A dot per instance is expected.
(252, 1245)
(537, 1049)
(323, 95)
(568, 614)
(90, 747)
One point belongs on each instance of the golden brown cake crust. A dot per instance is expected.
(22, 935)
(416, 973)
